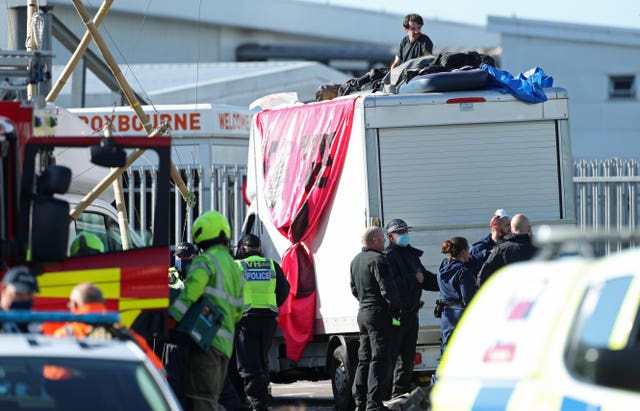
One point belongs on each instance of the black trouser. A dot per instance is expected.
(204, 375)
(173, 361)
(253, 341)
(374, 325)
(403, 345)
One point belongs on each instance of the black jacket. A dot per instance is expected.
(516, 247)
(372, 284)
(405, 263)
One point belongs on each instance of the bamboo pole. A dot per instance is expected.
(79, 52)
(32, 8)
(119, 197)
(126, 89)
(113, 174)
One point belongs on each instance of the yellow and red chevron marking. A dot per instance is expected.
(139, 283)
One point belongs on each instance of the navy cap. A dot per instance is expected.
(186, 250)
(250, 240)
(22, 279)
(396, 225)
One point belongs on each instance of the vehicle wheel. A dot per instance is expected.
(341, 380)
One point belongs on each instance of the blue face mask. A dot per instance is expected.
(403, 240)
(182, 266)
(21, 305)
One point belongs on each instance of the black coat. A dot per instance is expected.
(405, 263)
(516, 247)
(372, 284)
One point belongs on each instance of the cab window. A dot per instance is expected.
(103, 228)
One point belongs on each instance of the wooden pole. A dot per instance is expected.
(126, 89)
(79, 52)
(113, 174)
(32, 8)
(119, 197)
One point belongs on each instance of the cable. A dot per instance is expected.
(126, 63)
(198, 52)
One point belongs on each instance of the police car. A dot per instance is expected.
(548, 335)
(39, 372)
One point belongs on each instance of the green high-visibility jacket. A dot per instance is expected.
(215, 275)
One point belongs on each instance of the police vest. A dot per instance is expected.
(260, 283)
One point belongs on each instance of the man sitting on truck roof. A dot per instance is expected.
(415, 43)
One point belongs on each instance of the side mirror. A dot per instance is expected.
(611, 368)
(107, 154)
(54, 180)
(49, 229)
(50, 216)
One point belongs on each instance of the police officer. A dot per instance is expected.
(265, 289)
(18, 289)
(185, 253)
(379, 308)
(215, 276)
(516, 247)
(411, 277)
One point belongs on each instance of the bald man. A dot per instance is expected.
(379, 301)
(517, 246)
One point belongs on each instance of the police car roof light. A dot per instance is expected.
(28, 316)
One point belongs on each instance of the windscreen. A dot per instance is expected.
(77, 384)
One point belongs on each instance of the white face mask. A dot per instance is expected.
(403, 240)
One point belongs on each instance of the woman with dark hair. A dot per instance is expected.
(457, 283)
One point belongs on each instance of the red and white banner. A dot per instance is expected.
(304, 148)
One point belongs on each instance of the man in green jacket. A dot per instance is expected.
(215, 276)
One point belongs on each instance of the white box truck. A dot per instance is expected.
(443, 162)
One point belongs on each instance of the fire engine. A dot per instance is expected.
(37, 171)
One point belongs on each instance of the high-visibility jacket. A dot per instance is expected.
(81, 330)
(214, 275)
(259, 283)
(174, 279)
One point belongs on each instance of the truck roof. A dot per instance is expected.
(449, 97)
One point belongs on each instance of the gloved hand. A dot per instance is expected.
(395, 322)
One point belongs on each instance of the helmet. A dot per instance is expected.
(86, 243)
(250, 241)
(186, 249)
(210, 225)
(396, 225)
(22, 278)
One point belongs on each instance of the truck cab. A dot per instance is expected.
(38, 222)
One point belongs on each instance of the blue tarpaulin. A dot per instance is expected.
(528, 86)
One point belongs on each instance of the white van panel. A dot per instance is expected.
(432, 173)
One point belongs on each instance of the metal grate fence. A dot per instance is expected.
(218, 188)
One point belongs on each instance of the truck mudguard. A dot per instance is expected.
(303, 148)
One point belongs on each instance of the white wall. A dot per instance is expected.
(581, 59)
(172, 31)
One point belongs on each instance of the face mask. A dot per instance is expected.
(403, 240)
(182, 266)
(21, 305)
